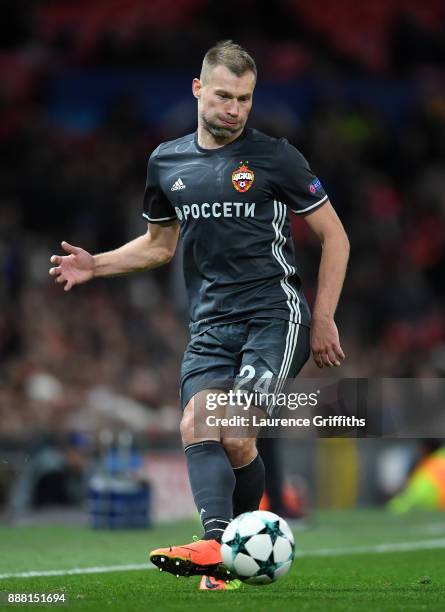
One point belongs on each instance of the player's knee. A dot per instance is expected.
(192, 426)
(239, 450)
(186, 426)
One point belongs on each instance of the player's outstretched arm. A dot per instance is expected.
(325, 342)
(151, 250)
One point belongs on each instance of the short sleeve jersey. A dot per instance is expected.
(233, 204)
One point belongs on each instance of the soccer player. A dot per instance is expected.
(228, 191)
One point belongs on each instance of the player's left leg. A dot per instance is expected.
(275, 350)
(248, 468)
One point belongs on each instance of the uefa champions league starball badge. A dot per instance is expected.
(243, 177)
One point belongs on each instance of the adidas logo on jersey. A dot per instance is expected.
(178, 185)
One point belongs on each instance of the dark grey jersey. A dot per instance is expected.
(232, 205)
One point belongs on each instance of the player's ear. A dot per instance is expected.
(196, 88)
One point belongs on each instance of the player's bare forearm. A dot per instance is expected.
(325, 341)
(331, 275)
(146, 252)
(153, 249)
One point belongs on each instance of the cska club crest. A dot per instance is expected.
(242, 178)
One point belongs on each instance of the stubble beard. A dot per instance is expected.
(218, 133)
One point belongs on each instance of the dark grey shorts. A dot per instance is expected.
(262, 351)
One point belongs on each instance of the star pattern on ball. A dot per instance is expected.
(238, 544)
(272, 528)
(267, 567)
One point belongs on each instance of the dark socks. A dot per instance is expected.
(249, 486)
(212, 481)
(269, 449)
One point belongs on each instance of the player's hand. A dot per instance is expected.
(72, 269)
(325, 343)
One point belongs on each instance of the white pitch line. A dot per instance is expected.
(101, 569)
(387, 547)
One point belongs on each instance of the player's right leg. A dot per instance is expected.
(209, 359)
(212, 482)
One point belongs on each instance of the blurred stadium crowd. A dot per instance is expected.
(110, 352)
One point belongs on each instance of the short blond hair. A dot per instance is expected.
(231, 55)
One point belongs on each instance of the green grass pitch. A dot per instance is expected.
(360, 560)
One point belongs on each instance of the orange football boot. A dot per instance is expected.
(208, 583)
(202, 557)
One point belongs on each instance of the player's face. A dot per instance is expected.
(224, 101)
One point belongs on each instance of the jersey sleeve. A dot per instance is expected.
(297, 186)
(157, 208)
